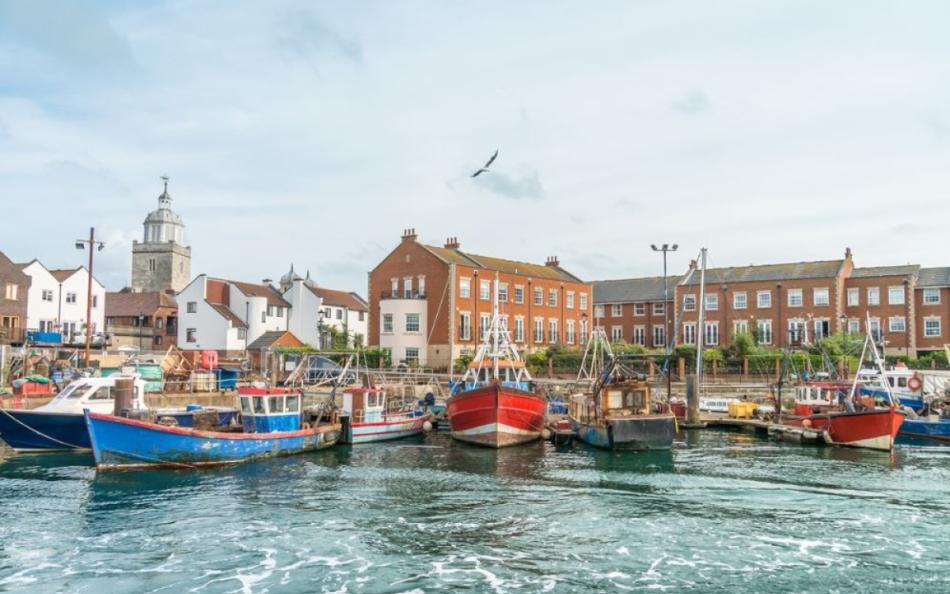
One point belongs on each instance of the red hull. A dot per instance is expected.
(875, 429)
(496, 416)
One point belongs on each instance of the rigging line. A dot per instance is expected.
(40, 433)
(438, 310)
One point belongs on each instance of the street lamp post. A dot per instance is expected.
(94, 246)
(665, 248)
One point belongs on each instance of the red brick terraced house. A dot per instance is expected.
(430, 304)
(14, 288)
(906, 306)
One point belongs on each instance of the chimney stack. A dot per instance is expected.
(552, 262)
(692, 264)
(452, 243)
(409, 235)
(847, 253)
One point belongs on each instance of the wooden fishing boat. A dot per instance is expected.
(273, 424)
(618, 412)
(366, 418)
(494, 404)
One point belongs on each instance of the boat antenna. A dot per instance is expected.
(495, 323)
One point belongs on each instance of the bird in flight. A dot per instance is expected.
(484, 169)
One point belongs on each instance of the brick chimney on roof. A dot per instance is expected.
(552, 262)
(452, 243)
(693, 264)
(409, 235)
(847, 253)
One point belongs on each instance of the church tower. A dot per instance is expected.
(161, 261)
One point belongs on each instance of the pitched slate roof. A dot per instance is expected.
(267, 339)
(934, 277)
(456, 256)
(768, 272)
(339, 298)
(633, 290)
(872, 271)
(227, 314)
(132, 304)
(256, 290)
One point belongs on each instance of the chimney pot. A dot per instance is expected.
(452, 243)
(552, 261)
(409, 235)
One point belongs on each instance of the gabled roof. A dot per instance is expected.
(872, 271)
(267, 339)
(633, 290)
(227, 314)
(456, 256)
(768, 272)
(934, 277)
(61, 274)
(336, 298)
(256, 290)
(133, 304)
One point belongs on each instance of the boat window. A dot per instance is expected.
(80, 391)
(246, 405)
(259, 405)
(276, 404)
(103, 393)
(902, 382)
(293, 403)
(371, 400)
(890, 380)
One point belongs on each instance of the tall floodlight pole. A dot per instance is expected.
(665, 248)
(94, 246)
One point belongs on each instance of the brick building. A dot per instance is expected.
(14, 288)
(790, 303)
(148, 321)
(430, 304)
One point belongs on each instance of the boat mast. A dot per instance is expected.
(495, 326)
(700, 329)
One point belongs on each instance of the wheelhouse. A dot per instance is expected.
(269, 411)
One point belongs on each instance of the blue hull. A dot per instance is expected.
(919, 429)
(643, 433)
(126, 443)
(27, 430)
(37, 431)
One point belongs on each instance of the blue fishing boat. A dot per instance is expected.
(59, 424)
(273, 424)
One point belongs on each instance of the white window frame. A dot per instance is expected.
(519, 328)
(711, 334)
(538, 330)
(465, 325)
(689, 302)
(639, 309)
(484, 290)
(552, 297)
(818, 291)
(763, 329)
(582, 302)
(658, 308)
(939, 322)
(418, 323)
(928, 293)
(387, 323)
(569, 300)
(519, 294)
(712, 302)
(538, 296)
(484, 323)
(616, 333)
(854, 326)
(689, 332)
(552, 331)
(767, 294)
(465, 288)
(890, 295)
(740, 304)
(502, 292)
(569, 331)
(854, 297)
(874, 296)
(797, 294)
(659, 330)
(616, 310)
(599, 311)
(640, 335)
(740, 326)
(897, 324)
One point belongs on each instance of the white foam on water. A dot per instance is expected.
(622, 550)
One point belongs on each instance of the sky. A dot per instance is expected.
(313, 133)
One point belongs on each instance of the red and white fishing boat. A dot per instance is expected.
(494, 404)
(845, 416)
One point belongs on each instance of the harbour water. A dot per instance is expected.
(723, 512)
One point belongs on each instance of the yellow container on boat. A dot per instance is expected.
(742, 410)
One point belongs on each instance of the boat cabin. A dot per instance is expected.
(364, 405)
(622, 399)
(900, 378)
(511, 374)
(269, 411)
(95, 393)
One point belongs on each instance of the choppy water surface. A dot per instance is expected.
(724, 512)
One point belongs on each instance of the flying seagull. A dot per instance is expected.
(487, 165)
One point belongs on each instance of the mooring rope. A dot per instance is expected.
(40, 433)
